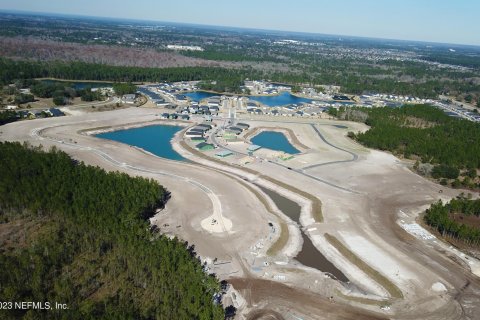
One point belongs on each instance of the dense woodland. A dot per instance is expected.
(124, 88)
(80, 236)
(231, 79)
(460, 219)
(12, 70)
(425, 133)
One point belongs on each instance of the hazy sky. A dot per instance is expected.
(450, 21)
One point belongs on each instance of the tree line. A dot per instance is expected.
(448, 219)
(425, 133)
(322, 72)
(85, 241)
(11, 70)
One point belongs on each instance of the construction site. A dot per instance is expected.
(303, 222)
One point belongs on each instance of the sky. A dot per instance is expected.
(445, 21)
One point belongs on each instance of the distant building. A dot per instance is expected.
(214, 110)
(234, 130)
(205, 125)
(181, 97)
(203, 146)
(200, 128)
(161, 103)
(184, 48)
(194, 134)
(129, 98)
(253, 148)
(224, 153)
(242, 126)
(56, 112)
(340, 98)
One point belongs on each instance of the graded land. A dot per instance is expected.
(369, 200)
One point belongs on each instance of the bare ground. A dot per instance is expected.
(364, 219)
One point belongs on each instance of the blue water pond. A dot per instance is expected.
(274, 141)
(154, 139)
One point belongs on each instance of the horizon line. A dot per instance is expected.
(66, 15)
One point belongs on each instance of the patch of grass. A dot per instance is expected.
(392, 289)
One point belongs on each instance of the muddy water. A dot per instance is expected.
(308, 255)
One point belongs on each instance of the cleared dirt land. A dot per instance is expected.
(367, 198)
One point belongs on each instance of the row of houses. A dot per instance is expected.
(38, 114)
(203, 109)
(175, 116)
(237, 128)
(198, 131)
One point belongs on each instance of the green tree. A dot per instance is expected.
(93, 247)
(59, 100)
(124, 88)
(23, 98)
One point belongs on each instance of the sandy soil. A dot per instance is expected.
(364, 194)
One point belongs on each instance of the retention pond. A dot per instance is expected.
(309, 254)
(154, 139)
(275, 141)
(274, 100)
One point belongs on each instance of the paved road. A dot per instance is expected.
(354, 155)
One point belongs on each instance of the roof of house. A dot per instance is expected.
(129, 96)
(202, 145)
(200, 128)
(242, 125)
(194, 133)
(56, 112)
(224, 153)
(253, 147)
